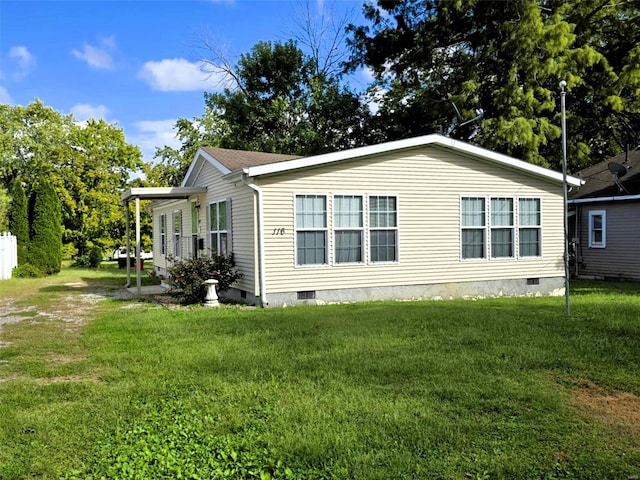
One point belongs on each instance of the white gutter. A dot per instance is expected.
(261, 261)
(621, 198)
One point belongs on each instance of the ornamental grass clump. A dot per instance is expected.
(187, 277)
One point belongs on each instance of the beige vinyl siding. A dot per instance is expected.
(168, 208)
(428, 183)
(242, 227)
(619, 259)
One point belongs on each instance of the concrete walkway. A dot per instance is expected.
(148, 290)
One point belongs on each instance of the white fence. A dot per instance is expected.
(8, 255)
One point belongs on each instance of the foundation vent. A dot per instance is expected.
(307, 295)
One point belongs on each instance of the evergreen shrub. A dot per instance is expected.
(19, 220)
(187, 277)
(45, 249)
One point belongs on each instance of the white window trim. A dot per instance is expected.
(491, 228)
(331, 210)
(485, 228)
(163, 233)
(368, 229)
(488, 256)
(177, 234)
(210, 230)
(603, 214)
(539, 226)
(326, 229)
(330, 229)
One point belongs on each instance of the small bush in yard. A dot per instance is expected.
(27, 270)
(187, 277)
(91, 260)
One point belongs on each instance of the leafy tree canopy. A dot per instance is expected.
(88, 166)
(279, 102)
(507, 58)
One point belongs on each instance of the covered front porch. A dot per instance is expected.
(148, 193)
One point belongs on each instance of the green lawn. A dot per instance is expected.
(496, 388)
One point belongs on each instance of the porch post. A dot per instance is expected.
(126, 206)
(138, 269)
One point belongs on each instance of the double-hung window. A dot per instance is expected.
(194, 229)
(383, 229)
(597, 229)
(311, 229)
(530, 228)
(163, 234)
(348, 228)
(218, 228)
(473, 226)
(177, 231)
(502, 234)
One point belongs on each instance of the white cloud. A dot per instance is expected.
(151, 134)
(4, 96)
(84, 111)
(24, 59)
(178, 74)
(97, 56)
(23, 56)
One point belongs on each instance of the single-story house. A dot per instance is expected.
(606, 219)
(419, 218)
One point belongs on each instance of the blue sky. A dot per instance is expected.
(134, 63)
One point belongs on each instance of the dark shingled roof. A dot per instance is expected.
(600, 182)
(239, 159)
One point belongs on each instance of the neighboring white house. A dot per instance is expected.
(424, 217)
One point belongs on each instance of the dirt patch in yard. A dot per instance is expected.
(620, 410)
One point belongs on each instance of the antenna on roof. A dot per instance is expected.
(457, 120)
(618, 171)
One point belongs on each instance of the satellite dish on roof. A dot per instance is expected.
(617, 169)
(457, 120)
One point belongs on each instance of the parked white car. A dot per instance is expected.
(121, 252)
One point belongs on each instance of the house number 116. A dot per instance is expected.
(278, 231)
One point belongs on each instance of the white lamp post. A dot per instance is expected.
(563, 84)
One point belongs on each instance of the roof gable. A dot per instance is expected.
(228, 160)
(255, 164)
(398, 145)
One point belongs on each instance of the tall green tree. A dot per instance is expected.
(87, 164)
(19, 219)
(45, 247)
(279, 101)
(506, 58)
(284, 104)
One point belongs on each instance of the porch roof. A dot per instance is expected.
(160, 193)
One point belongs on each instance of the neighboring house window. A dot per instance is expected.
(177, 231)
(311, 229)
(473, 223)
(383, 229)
(597, 229)
(218, 228)
(502, 228)
(348, 228)
(530, 228)
(163, 234)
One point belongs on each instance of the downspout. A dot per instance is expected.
(261, 254)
